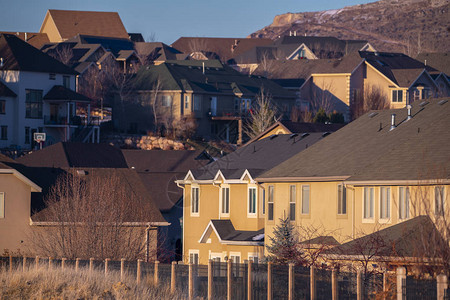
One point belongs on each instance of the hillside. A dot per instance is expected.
(409, 26)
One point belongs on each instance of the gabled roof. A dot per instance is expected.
(21, 56)
(35, 39)
(156, 51)
(8, 166)
(5, 91)
(159, 169)
(401, 240)
(227, 234)
(438, 61)
(225, 48)
(70, 23)
(366, 149)
(75, 155)
(257, 157)
(218, 78)
(113, 44)
(61, 93)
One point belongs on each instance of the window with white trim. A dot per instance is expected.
(403, 205)
(166, 100)
(186, 101)
(225, 191)
(342, 200)
(292, 200)
(368, 208)
(270, 204)
(397, 95)
(193, 257)
(2, 205)
(195, 200)
(253, 257)
(439, 200)
(385, 202)
(305, 199)
(252, 200)
(263, 201)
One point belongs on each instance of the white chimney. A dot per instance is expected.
(203, 64)
(392, 122)
(409, 112)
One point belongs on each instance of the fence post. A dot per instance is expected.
(24, 263)
(10, 263)
(334, 284)
(49, 263)
(442, 285)
(210, 279)
(401, 280)
(191, 282)
(249, 280)
(312, 278)
(91, 264)
(156, 273)
(138, 275)
(229, 278)
(359, 291)
(106, 266)
(269, 281)
(122, 268)
(173, 277)
(291, 295)
(37, 262)
(63, 262)
(385, 284)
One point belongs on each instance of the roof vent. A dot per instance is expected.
(273, 136)
(442, 102)
(423, 103)
(81, 172)
(373, 114)
(325, 134)
(304, 135)
(409, 112)
(392, 122)
(293, 135)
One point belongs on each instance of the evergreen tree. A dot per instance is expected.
(321, 116)
(283, 246)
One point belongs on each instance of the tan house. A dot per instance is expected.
(61, 25)
(380, 170)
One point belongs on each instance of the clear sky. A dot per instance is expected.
(170, 19)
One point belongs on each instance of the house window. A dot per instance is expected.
(253, 257)
(166, 100)
(226, 200)
(368, 202)
(186, 102)
(27, 135)
(52, 76)
(2, 107)
(439, 200)
(305, 199)
(33, 104)
(197, 103)
(385, 202)
(66, 81)
(2, 205)
(4, 133)
(270, 204)
(397, 96)
(403, 207)
(246, 104)
(342, 200)
(252, 200)
(292, 200)
(193, 257)
(195, 200)
(236, 104)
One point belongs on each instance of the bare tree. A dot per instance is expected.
(373, 98)
(262, 115)
(64, 54)
(321, 96)
(98, 217)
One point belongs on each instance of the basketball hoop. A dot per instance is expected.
(39, 137)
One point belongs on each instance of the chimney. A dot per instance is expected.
(425, 62)
(26, 37)
(392, 122)
(295, 33)
(409, 112)
(203, 64)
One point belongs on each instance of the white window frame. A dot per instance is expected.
(166, 100)
(252, 256)
(186, 101)
(292, 202)
(404, 193)
(341, 200)
(439, 210)
(197, 213)
(193, 252)
(236, 265)
(396, 99)
(309, 200)
(221, 190)
(2, 205)
(263, 201)
(370, 218)
(385, 190)
(270, 202)
(252, 214)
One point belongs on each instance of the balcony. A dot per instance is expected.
(61, 121)
(230, 114)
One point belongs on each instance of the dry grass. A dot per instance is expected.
(68, 284)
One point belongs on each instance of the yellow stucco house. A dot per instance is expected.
(382, 169)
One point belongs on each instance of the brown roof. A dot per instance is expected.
(366, 149)
(35, 39)
(439, 61)
(225, 48)
(69, 23)
(61, 93)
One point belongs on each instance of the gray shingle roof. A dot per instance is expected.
(366, 149)
(61, 93)
(227, 232)
(6, 91)
(439, 61)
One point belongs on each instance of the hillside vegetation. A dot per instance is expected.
(409, 26)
